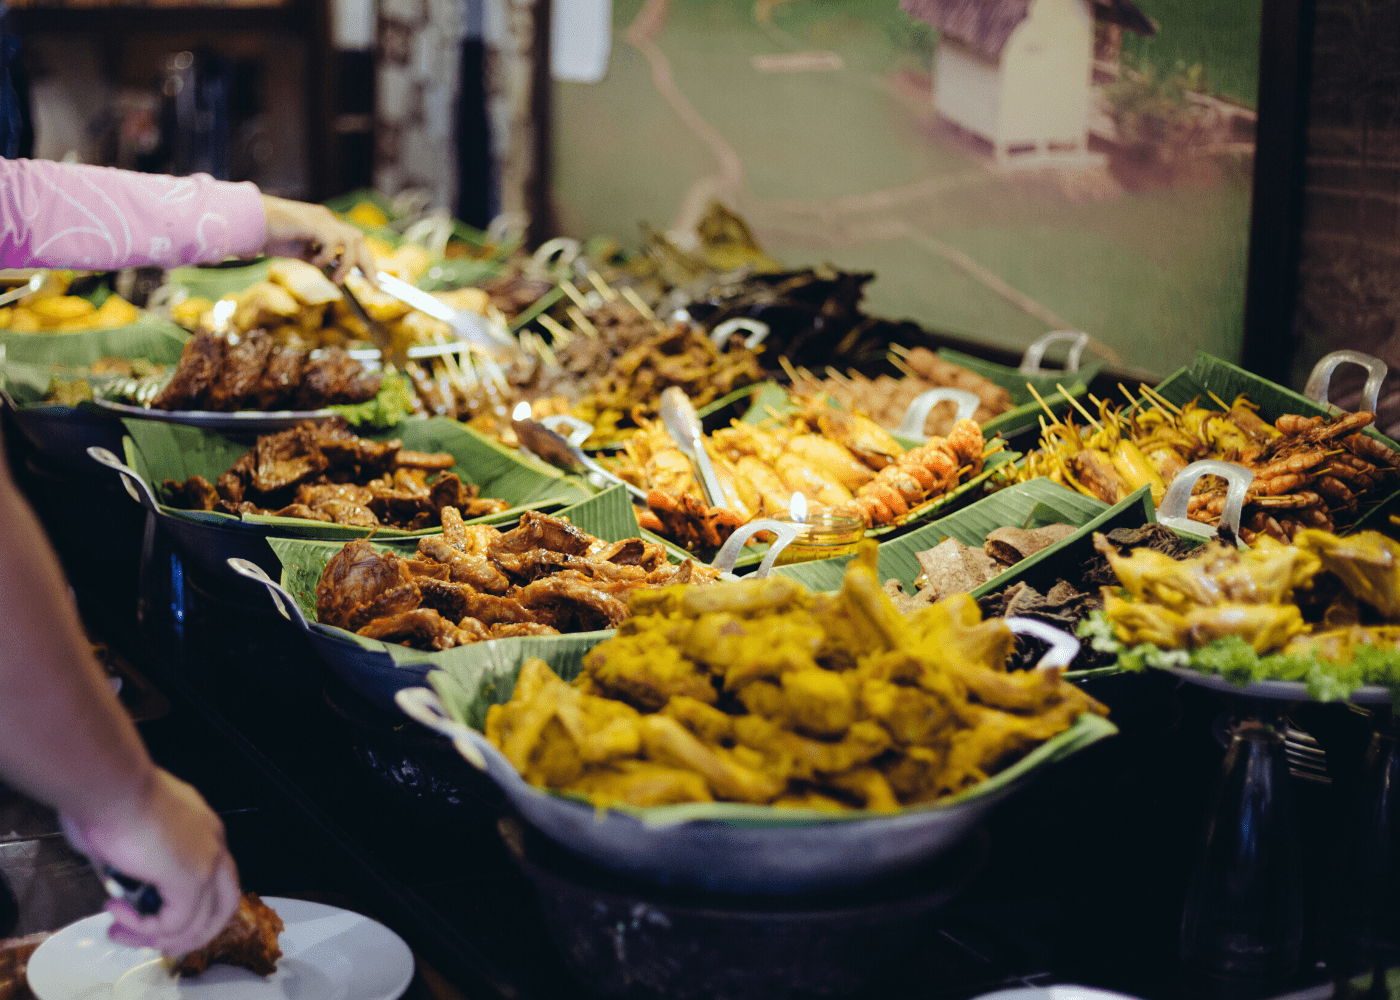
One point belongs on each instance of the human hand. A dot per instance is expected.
(171, 838)
(313, 233)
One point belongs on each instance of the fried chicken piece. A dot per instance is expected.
(360, 584)
(649, 677)
(473, 570)
(809, 758)
(666, 741)
(633, 552)
(195, 493)
(642, 783)
(436, 461)
(248, 941)
(279, 379)
(540, 531)
(424, 628)
(239, 375)
(570, 604)
(510, 630)
(705, 721)
(199, 365)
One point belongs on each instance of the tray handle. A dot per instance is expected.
(758, 332)
(284, 601)
(422, 706)
(1030, 363)
(912, 426)
(1172, 512)
(138, 488)
(1063, 646)
(579, 430)
(728, 553)
(1321, 378)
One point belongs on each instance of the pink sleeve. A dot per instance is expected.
(69, 215)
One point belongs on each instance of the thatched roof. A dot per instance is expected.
(986, 25)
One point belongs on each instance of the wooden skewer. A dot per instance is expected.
(604, 289)
(901, 350)
(546, 352)
(1076, 404)
(1054, 420)
(561, 333)
(789, 370)
(574, 294)
(1219, 402)
(835, 376)
(1161, 399)
(908, 372)
(638, 303)
(581, 321)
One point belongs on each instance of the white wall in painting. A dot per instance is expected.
(1046, 67)
(967, 88)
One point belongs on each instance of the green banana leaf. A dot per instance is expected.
(1030, 504)
(1208, 374)
(607, 516)
(213, 283)
(468, 686)
(159, 451)
(150, 337)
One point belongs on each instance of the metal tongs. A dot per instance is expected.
(683, 424)
(563, 453)
(468, 326)
(391, 354)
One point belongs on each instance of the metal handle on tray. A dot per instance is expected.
(1063, 646)
(1321, 378)
(728, 553)
(564, 247)
(284, 601)
(1030, 363)
(912, 426)
(579, 430)
(422, 706)
(135, 485)
(758, 332)
(1172, 511)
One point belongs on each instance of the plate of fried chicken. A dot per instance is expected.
(273, 948)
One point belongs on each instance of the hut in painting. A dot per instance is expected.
(1018, 72)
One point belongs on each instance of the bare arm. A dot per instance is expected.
(68, 742)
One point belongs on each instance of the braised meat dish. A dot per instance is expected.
(323, 472)
(251, 371)
(249, 941)
(476, 582)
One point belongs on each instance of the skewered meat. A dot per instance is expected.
(467, 585)
(322, 472)
(249, 941)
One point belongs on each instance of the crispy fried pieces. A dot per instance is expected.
(475, 582)
(323, 472)
(248, 941)
(760, 692)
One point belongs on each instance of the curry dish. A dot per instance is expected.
(758, 691)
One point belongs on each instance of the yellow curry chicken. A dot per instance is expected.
(758, 691)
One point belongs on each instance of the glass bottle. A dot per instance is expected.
(1244, 909)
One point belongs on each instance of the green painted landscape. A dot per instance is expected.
(1143, 245)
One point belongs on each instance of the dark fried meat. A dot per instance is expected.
(479, 573)
(195, 493)
(249, 941)
(633, 552)
(199, 365)
(323, 472)
(360, 584)
(238, 377)
(421, 628)
(540, 531)
(509, 630)
(571, 604)
(279, 380)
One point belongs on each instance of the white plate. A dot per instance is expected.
(327, 954)
(238, 420)
(1067, 992)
